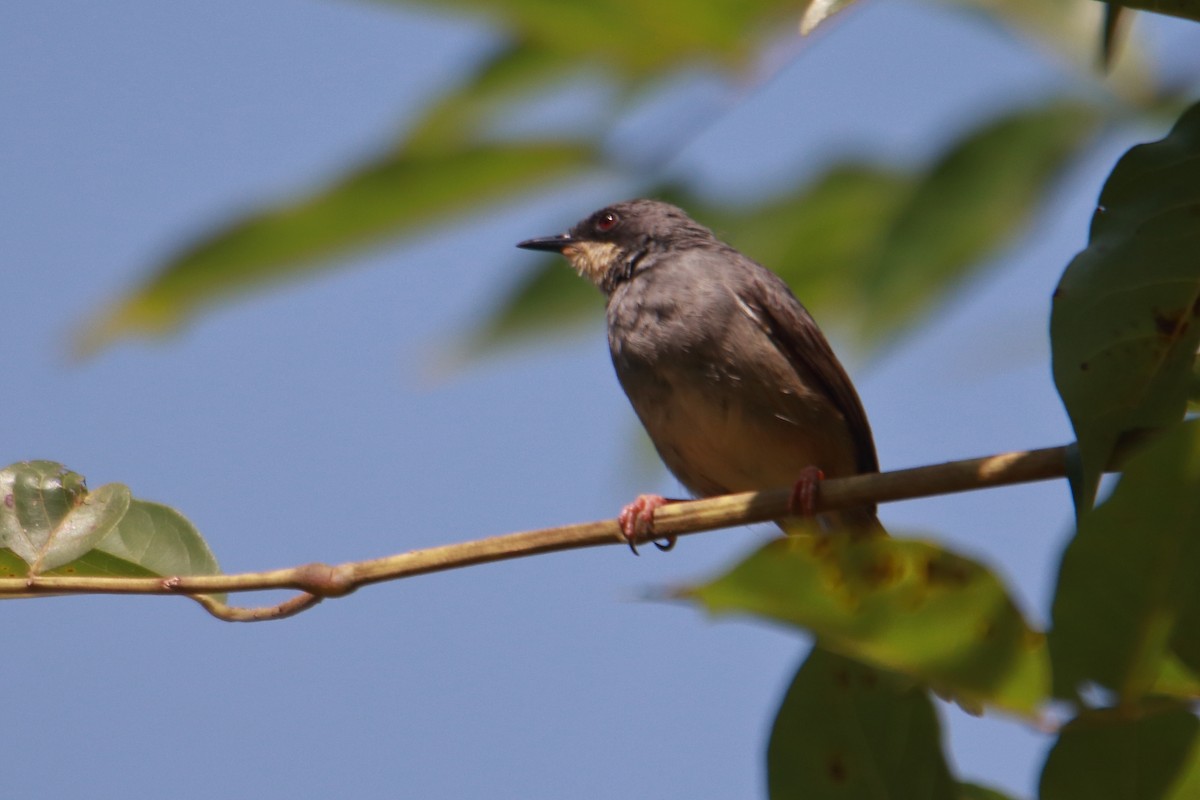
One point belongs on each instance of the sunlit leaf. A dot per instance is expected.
(908, 606)
(1105, 754)
(1128, 598)
(49, 518)
(847, 730)
(1123, 328)
(396, 194)
(817, 11)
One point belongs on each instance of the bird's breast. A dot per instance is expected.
(725, 409)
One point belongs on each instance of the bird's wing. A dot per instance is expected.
(772, 306)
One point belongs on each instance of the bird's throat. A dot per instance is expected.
(592, 260)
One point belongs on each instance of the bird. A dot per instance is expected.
(734, 382)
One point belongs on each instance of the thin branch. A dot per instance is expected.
(318, 581)
(288, 608)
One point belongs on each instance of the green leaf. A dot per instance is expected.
(903, 605)
(1104, 755)
(846, 730)
(49, 518)
(974, 200)
(399, 193)
(159, 539)
(1123, 327)
(1128, 599)
(51, 524)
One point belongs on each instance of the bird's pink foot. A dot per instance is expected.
(637, 521)
(803, 502)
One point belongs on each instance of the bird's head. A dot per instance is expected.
(610, 246)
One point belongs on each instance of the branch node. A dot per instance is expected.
(322, 580)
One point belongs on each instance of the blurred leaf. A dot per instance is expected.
(872, 247)
(817, 11)
(1070, 28)
(1110, 36)
(1122, 328)
(845, 730)
(455, 120)
(443, 169)
(1103, 755)
(49, 518)
(821, 238)
(1194, 386)
(974, 200)
(633, 37)
(1128, 589)
(549, 297)
(904, 605)
(397, 194)
(817, 240)
(1187, 9)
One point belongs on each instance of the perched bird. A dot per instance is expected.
(733, 380)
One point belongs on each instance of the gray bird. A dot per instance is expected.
(731, 377)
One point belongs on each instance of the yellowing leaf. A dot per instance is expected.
(907, 606)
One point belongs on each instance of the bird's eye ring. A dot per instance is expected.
(607, 221)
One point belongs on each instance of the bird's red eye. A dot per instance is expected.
(607, 221)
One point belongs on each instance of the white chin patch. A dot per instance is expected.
(592, 260)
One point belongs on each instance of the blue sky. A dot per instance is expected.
(311, 423)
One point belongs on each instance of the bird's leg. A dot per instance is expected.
(637, 521)
(803, 501)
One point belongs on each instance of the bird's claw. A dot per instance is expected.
(803, 502)
(637, 522)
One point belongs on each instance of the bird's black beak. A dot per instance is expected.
(555, 244)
